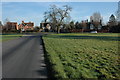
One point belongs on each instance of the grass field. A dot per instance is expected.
(86, 55)
(6, 37)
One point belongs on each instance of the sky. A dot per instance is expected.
(33, 11)
(59, 0)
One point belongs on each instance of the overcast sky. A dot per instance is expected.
(33, 11)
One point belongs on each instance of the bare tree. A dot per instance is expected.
(5, 23)
(6, 20)
(58, 16)
(45, 17)
(96, 17)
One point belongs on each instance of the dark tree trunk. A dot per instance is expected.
(58, 30)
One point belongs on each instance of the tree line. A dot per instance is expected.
(60, 21)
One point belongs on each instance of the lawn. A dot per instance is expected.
(6, 37)
(83, 55)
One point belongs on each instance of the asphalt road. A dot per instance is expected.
(23, 58)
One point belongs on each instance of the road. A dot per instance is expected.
(23, 58)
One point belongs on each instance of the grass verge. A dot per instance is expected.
(6, 37)
(83, 56)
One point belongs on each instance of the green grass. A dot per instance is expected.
(84, 55)
(7, 37)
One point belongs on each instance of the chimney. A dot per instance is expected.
(22, 21)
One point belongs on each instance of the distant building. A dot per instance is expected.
(0, 23)
(91, 26)
(1, 26)
(26, 26)
(11, 26)
(45, 26)
(95, 25)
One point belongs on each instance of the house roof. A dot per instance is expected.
(11, 22)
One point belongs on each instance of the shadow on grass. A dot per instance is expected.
(107, 38)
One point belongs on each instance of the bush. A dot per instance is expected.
(115, 29)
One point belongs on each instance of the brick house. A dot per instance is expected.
(12, 26)
(26, 26)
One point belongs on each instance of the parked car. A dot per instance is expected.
(93, 32)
